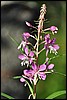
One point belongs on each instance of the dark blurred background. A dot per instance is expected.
(13, 17)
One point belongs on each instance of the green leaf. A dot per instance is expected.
(16, 77)
(7, 96)
(56, 94)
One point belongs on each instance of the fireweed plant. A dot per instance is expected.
(33, 71)
(29, 57)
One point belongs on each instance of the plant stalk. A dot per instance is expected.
(40, 28)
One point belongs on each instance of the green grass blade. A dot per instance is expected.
(13, 40)
(7, 96)
(56, 94)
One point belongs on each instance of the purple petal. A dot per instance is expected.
(26, 34)
(42, 75)
(31, 54)
(22, 57)
(53, 28)
(26, 51)
(28, 73)
(51, 66)
(53, 40)
(34, 67)
(42, 67)
(56, 47)
(47, 37)
(22, 79)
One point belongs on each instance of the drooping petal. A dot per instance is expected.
(42, 67)
(22, 79)
(28, 73)
(31, 54)
(51, 66)
(26, 51)
(22, 57)
(42, 75)
(34, 67)
(56, 47)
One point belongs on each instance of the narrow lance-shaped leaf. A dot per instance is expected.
(7, 96)
(56, 94)
(16, 77)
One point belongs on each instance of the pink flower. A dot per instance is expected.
(25, 36)
(36, 72)
(26, 58)
(24, 41)
(50, 45)
(22, 45)
(54, 29)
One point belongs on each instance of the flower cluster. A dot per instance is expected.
(36, 71)
(29, 57)
(50, 45)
